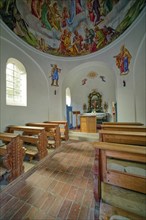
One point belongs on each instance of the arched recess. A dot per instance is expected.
(81, 84)
(68, 97)
(69, 116)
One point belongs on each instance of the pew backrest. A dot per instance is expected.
(63, 128)
(124, 128)
(123, 137)
(123, 123)
(52, 131)
(12, 155)
(127, 154)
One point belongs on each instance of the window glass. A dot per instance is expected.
(16, 83)
(68, 97)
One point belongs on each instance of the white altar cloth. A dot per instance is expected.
(99, 115)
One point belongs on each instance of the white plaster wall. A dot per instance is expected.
(126, 96)
(37, 89)
(140, 82)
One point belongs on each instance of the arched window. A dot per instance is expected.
(16, 83)
(68, 97)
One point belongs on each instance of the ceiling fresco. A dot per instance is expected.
(69, 27)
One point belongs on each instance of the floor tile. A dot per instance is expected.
(59, 188)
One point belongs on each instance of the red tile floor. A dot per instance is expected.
(58, 188)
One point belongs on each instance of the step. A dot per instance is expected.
(83, 136)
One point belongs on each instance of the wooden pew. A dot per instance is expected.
(12, 155)
(63, 128)
(52, 130)
(123, 137)
(123, 128)
(123, 123)
(120, 180)
(32, 135)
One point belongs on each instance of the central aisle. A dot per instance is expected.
(61, 187)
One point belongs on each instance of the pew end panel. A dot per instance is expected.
(122, 178)
(12, 155)
(124, 170)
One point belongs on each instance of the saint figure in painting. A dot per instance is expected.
(55, 75)
(123, 60)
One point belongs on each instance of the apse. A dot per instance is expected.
(69, 28)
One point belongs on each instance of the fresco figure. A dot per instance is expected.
(78, 6)
(90, 10)
(109, 33)
(123, 60)
(55, 17)
(8, 5)
(36, 8)
(67, 41)
(66, 46)
(78, 41)
(45, 14)
(62, 48)
(89, 38)
(71, 13)
(55, 75)
(65, 16)
(96, 10)
(100, 37)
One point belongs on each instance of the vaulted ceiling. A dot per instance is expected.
(69, 27)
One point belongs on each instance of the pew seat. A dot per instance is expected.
(30, 151)
(3, 171)
(109, 212)
(51, 143)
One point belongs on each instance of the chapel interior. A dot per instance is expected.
(72, 109)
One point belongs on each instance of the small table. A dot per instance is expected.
(76, 113)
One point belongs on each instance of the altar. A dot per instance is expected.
(96, 113)
(88, 123)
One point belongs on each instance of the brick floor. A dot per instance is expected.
(59, 188)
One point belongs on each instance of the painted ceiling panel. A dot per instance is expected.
(69, 28)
